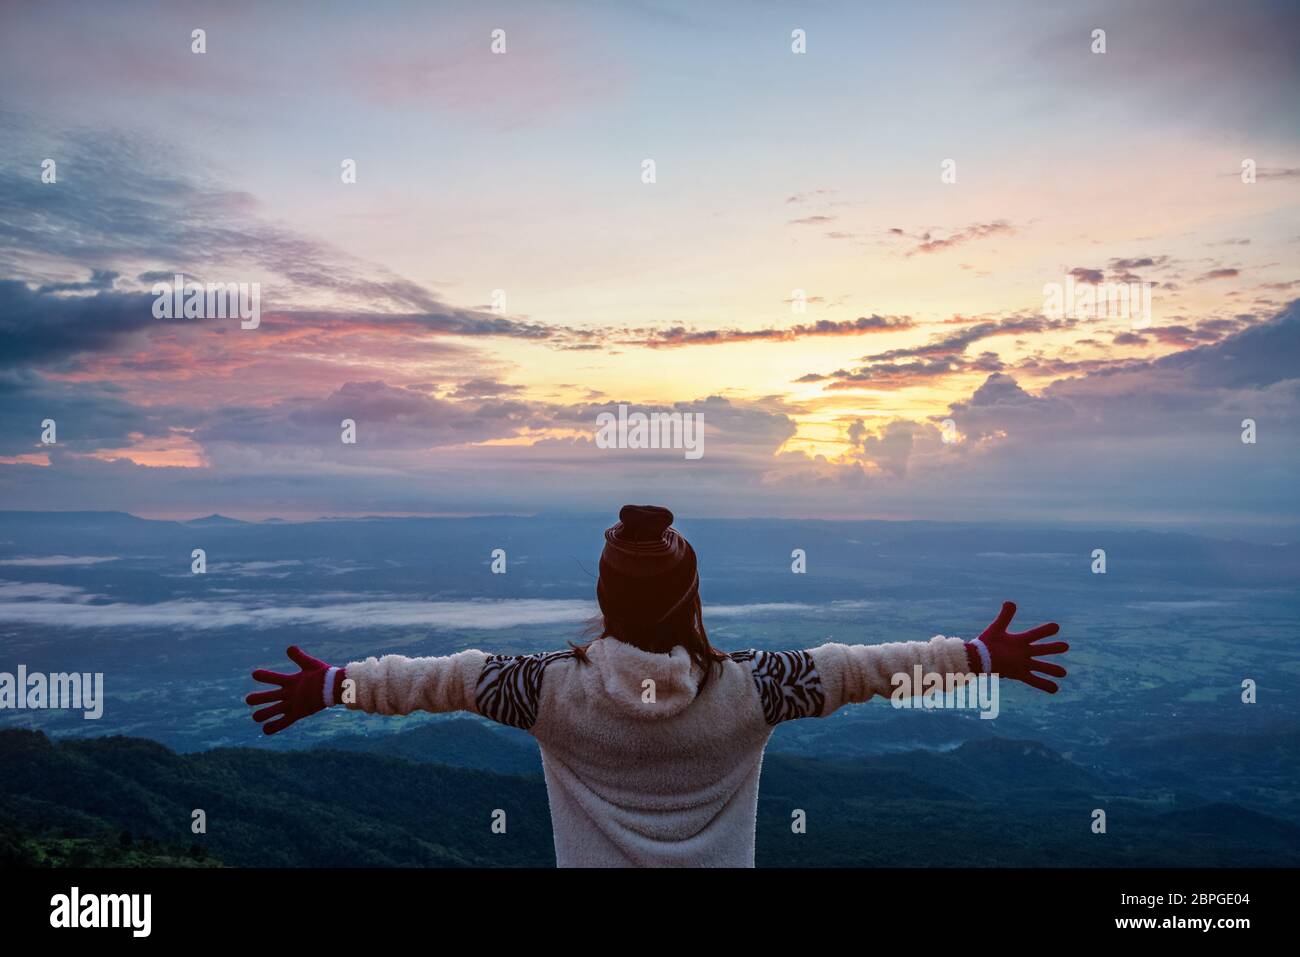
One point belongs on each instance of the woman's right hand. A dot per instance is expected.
(297, 695)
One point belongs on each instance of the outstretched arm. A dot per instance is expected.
(393, 684)
(854, 673)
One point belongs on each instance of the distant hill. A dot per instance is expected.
(266, 809)
(460, 742)
(20, 519)
(208, 521)
(334, 807)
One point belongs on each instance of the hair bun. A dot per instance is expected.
(644, 523)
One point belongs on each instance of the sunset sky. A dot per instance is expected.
(775, 172)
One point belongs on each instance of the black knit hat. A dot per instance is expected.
(647, 570)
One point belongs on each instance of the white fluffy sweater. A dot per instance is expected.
(642, 768)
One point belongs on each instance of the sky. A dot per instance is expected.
(841, 262)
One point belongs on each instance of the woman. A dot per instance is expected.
(651, 739)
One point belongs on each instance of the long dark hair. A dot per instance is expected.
(684, 627)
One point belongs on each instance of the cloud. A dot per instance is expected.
(39, 325)
(890, 449)
(41, 591)
(1164, 434)
(1226, 74)
(45, 561)
(1143, 440)
(63, 607)
(444, 321)
(939, 358)
(681, 336)
(192, 615)
(481, 388)
(117, 203)
(292, 463)
(1000, 405)
(1122, 268)
(1260, 355)
(99, 279)
(555, 64)
(811, 194)
(957, 342)
(927, 243)
(1140, 262)
(903, 375)
(1183, 336)
(387, 417)
(89, 416)
(1139, 439)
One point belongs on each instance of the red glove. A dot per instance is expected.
(1012, 654)
(299, 695)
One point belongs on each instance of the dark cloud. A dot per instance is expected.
(38, 326)
(1260, 355)
(1163, 396)
(88, 417)
(43, 326)
(100, 279)
(387, 417)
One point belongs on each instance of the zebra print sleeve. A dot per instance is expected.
(787, 682)
(510, 687)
